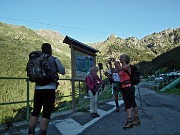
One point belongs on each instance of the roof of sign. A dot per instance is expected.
(70, 41)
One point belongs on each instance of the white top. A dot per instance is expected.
(115, 76)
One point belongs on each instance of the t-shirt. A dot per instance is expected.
(115, 76)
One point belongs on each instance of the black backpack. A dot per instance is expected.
(135, 75)
(38, 69)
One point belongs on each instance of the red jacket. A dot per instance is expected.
(92, 80)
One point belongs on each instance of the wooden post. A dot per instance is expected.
(72, 79)
(100, 68)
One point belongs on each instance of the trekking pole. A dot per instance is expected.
(140, 97)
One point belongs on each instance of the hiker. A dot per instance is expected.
(114, 82)
(44, 96)
(128, 91)
(91, 81)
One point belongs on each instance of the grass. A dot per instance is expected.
(175, 91)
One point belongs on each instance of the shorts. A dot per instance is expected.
(128, 95)
(43, 98)
(115, 89)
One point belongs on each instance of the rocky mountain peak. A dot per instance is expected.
(51, 35)
(112, 36)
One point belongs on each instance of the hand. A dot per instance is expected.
(106, 73)
(112, 59)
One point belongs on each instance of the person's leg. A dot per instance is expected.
(32, 125)
(130, 91)
(48, 106)
(126, 101)
(96, 104)
(36, 111)
(91, 103)
(116, 102)
(136, 120)
(129, 122)
(136, 112)
(116, 93)
(43, 126)
(133, 101)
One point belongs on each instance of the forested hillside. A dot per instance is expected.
(17, 42)
(166, 62)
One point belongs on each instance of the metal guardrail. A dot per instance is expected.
(27, 89)
(27, 94)
(28, 101)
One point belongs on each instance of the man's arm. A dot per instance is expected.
(60, 67)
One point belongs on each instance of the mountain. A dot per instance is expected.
(165, 62)
(147, 52)
(18, 41)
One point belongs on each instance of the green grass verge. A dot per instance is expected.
(175, 91)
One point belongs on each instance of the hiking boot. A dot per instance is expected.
(93, 115)
(97, 115)
(129, 123)
(117, 109)
(136, 121)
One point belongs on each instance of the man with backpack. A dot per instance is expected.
(44, 95)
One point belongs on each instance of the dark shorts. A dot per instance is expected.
(43, 98)
(116, 88)
(128, 95)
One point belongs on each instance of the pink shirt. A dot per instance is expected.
(92, 80)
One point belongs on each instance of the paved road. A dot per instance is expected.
(159, 114)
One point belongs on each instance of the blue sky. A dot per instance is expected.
(93, 20)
